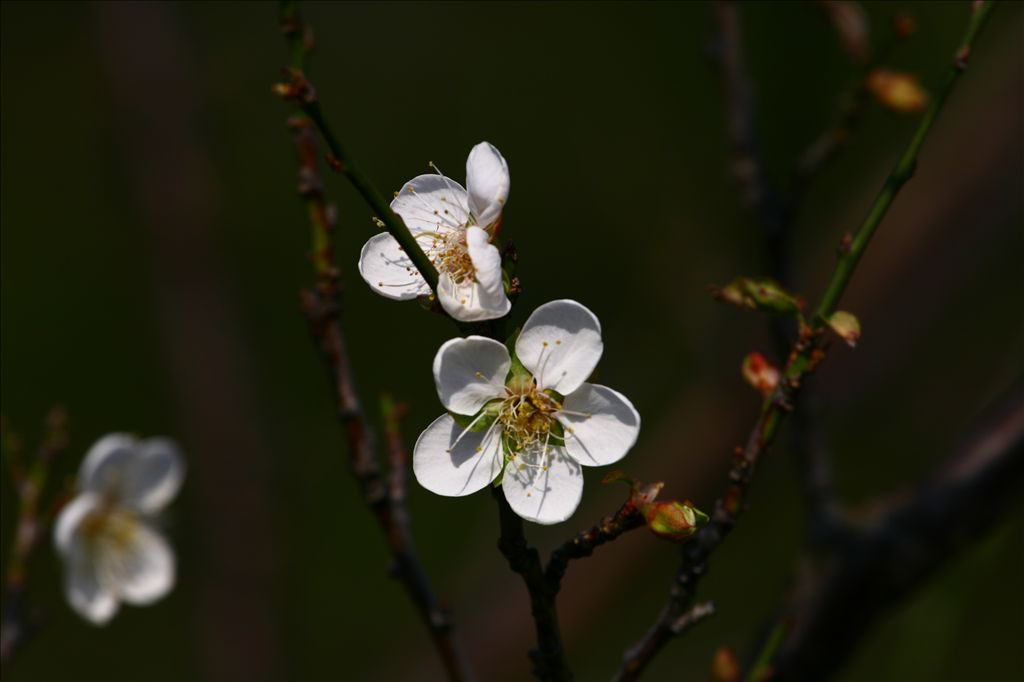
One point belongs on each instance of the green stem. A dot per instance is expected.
(903, 171)
(299, 46)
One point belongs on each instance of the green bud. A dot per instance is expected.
(675, 521)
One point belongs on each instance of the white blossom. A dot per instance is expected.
(532, 419)
(455, 227)
(111, 552)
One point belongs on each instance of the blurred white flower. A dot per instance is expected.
(454, 227)
(532, 417)
(111, 553)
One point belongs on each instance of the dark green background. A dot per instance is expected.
(153, 247)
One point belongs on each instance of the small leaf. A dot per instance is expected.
(763, 294)
(846, 326)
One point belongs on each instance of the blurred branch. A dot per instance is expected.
(806, 353)
(17, 625)
(300, 91)
(901, 543)
(549, 662)
(322, 306)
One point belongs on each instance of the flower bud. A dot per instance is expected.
(760, 373)
(759, 294)
(897, 91)
(725, 667)
(673, 520)
(846, 326)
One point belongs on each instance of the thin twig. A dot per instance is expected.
(383, 495)
(17, 625)
(806, 354)
(549, 661)
(611, 527)
(302, 92)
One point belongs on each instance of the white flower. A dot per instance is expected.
(454, 228)
(532, 416)
(111, 554)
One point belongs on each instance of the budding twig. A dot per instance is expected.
(301, 92)
(804, 357)
(385, 496)
(625, 519)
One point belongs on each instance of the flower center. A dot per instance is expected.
(527, 416)
(109, 528)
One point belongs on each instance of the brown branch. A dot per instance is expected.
(549, 662)
(17, 624)
(611, 527)
(901, 544)
(385, 496)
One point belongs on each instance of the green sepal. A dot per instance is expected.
(484, 418)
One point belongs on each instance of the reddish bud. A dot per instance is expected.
(675, 521)
(904, 24)
(760, 373)
(846, 326)
(641, 494)
(725, 667)
(897, 91)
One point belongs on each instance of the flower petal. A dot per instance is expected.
(452, 470)
(470, 372)
(70, 518)
(543, 489)
(432, 203)
(156, 475)
(388, 270)
(486, 261)
(144, 475)
(470, 302)
(560, 344)
(488, 182)
(140, 570)
(607, 434)
(90, 598)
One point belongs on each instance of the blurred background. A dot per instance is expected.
(153, 247)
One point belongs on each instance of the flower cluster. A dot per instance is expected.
(529, 417)
(526, 419)
(111, 552)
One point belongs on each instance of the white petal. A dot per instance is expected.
(560, 344)
(70, 518)
(85, 593)
(431, 203)
(607, 434)
(140, 569)
(488, 182)
(388, 270)
(486, 261)
(470, 372)
(460, 470)
(144, 475)
(104, 466)
(544, 490)
(470, 302)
